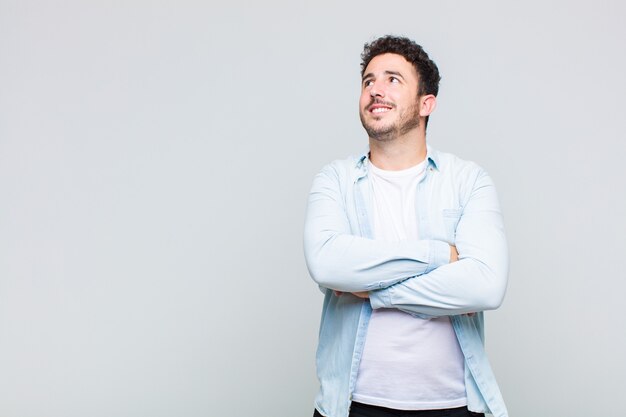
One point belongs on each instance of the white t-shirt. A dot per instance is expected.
(408, 363)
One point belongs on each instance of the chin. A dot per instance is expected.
(381, 134)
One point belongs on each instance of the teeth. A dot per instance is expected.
(380, 110)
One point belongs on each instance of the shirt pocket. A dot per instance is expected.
(451, 219)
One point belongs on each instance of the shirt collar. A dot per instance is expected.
(433, 157)
(363, 161)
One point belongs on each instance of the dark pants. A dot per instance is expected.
(365, 410)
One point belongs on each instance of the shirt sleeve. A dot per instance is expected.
(339, 260)
(477, 281)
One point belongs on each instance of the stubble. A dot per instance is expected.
(406, 122)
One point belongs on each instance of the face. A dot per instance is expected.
(389, 105)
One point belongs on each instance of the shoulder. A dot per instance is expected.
(452, 165)
(344, 169)
(463, 176)
(338, 177)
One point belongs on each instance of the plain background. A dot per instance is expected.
(155, 159)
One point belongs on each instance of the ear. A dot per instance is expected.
(428, 103)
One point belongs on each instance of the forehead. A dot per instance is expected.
(390, 62)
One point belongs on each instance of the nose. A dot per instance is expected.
(376, 90)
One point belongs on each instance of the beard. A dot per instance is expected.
(406, 121)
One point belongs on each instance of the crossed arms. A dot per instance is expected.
(413, 276)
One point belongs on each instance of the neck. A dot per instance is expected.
(399, 153)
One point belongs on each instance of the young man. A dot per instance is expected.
(408, 245)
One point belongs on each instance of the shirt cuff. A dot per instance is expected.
(381, 298)
(439, 255)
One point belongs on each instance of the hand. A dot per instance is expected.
(454, 255)
(362, 294)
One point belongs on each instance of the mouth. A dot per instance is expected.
(379, 108)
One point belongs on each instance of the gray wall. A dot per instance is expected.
(154, 164)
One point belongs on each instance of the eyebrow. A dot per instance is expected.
(370, 75)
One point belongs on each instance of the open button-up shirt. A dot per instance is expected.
(456, 205)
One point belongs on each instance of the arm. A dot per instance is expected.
(477, 281)
(341, 261)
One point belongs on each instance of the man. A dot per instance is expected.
(408, 245)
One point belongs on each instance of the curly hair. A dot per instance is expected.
(427, 71)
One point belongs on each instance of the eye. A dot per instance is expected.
(394, 80)
(368, 83)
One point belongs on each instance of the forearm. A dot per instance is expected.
(350, 263)
(476, 282)
(469, 285)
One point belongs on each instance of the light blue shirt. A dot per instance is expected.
(456, 204)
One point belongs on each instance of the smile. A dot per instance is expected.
(380, 110)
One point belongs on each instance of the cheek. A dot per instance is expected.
(406, 101)
(364, 100)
